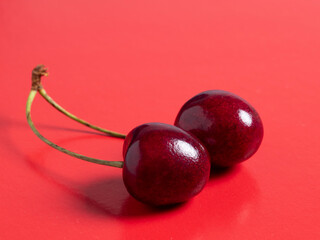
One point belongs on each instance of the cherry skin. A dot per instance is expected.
(227, 125)
(163, 164)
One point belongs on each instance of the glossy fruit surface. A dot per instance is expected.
(228, 126)
(164, 164)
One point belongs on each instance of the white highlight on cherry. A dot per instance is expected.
(185, 148)
(245, 117)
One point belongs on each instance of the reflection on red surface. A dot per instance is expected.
(231, 193)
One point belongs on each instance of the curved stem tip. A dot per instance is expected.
(40, 71)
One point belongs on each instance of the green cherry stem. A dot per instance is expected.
(37, 73)
(43, 93)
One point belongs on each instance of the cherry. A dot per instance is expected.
(227, 125)
(164, 164)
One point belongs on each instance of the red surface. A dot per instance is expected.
(122, 63)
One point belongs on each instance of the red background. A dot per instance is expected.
(121, 63)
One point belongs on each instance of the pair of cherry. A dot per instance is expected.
(165, 164)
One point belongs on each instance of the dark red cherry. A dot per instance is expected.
(227, 125)
(164, 164)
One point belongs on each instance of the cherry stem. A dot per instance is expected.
(36, 85)
(44, 94)
(37, 73)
